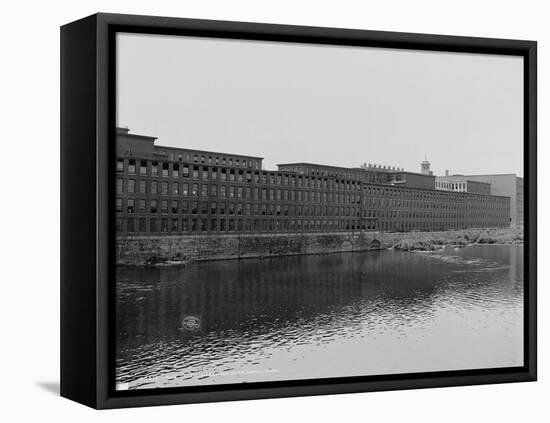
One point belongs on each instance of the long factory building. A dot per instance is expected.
(168, 190)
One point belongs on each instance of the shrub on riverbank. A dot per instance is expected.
(423, 241)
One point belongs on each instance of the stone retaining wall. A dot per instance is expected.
(151, 249)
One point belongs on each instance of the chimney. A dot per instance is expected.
(446, 172)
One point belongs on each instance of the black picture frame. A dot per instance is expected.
(87, 235)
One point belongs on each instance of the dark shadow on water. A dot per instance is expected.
(51, 387)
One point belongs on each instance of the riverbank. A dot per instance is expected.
(428, 241)
(183, 249)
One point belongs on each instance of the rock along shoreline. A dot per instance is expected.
(178, 251)
(466, 237)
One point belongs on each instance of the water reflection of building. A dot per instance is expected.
(173, 190)
(247, 296)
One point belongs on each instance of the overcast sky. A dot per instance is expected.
(332, 105)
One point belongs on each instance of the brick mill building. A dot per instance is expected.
(507, 185)
(167, 190)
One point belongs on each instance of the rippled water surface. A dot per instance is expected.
(320, 316)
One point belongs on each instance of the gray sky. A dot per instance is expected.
(332, 105)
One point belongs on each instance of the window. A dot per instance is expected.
(176, 171)
(174, 207)
(118, 224)
(185, 188)
(175, 188)
(142, 208)
(153, 206)
(204, 190)
(164, 225)
(175, 225)
(164, 188)
(143, 168)
(143, 187)
(119, 186)
(164, 206)
(132, 166)
(118, 204)
(154, 225)
(154, 169)
(131, 186)
(185, 171)
(120, 165)
(154, 187)
(142, 224)
(195, 190)
(165, 170)
(131, 226)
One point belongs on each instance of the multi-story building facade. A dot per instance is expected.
(508, 185)
(163, 190)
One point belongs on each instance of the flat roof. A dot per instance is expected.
(411, 173)
(126, 134)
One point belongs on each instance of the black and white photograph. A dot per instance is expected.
(278, 211)
(292, 211)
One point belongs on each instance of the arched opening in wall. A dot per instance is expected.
(375, 245)
(346, 246)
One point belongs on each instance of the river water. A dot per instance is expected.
(334, 315)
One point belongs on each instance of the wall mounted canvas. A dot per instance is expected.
(255, 211)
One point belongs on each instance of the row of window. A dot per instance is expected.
(230, 191)
(316, 171)
(177, 225)
(195, 207)
(205, 173)
(427, 204)
(206, 190)
(222, 208)
(143, 224)
(202, 158)
(428, 194)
